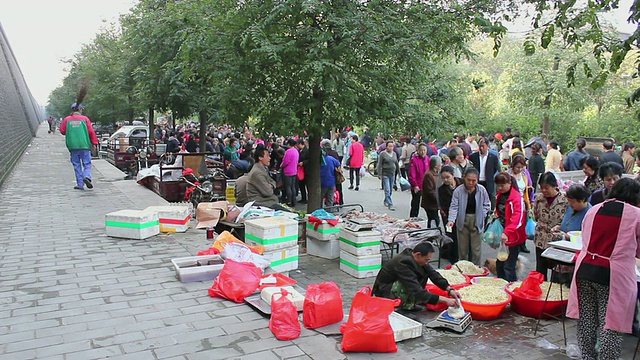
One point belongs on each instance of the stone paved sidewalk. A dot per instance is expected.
(67, 291)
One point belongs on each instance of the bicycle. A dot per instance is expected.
(372, 167)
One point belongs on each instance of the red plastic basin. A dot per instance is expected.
(486, 271)
(533, 307)
(485, 311)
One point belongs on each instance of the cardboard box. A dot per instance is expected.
(276, 232)
(324, 249)
(324, 231)
(360, 266)
(282, 260)
(172, 218)
(132, 224)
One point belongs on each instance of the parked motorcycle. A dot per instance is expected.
(205, 188)
(139, 160)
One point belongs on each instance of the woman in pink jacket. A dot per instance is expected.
(603, 292)
(511, 212)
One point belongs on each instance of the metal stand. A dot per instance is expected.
(563, 309)
(433, 235)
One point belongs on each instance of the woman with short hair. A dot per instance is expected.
(549, 208)
(554, 158)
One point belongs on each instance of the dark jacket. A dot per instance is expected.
(413, 277)
(429, 192)
(491, 168)
(611, 156)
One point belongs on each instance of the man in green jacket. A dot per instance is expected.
(79, 137)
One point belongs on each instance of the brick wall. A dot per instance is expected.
(19, 113)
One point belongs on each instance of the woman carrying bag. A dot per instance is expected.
(511, 212)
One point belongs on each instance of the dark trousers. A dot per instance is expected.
(452, 253)
(542, 265)
(290, 189)
(415, 203)
(354, 173)
(432, 215)
(404, 171)
(492, 194)
(507, 269)
(302, 184)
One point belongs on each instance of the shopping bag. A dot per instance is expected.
(363, 171)
(300, 173)
(368, 328)
(404, 184)
(339, 175)
(236, 281)
(492, 234)
(284, 322)
(531, 227)
(322, 305)
(530, 287)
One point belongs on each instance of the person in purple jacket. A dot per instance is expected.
(289, 167)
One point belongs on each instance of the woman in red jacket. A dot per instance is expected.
(511, 213)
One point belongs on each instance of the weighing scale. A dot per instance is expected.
(445, 321)
(356, 225)
(559, 255)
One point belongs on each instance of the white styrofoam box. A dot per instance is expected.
(283, 259)
(132, 224)
(324, 249)
(172, 218)
(198, 268)
(360, 243)
(360, 266)
(296, 298)
(324, 231)
(404, 328)
(276, 232)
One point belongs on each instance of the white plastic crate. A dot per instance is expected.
(172, 218)
(132, 224)
(360, 266)
(324, 231)
(324, 249)
(188, 270)
(404, 328)
(282, 260)
(276, 232)
(360, 243)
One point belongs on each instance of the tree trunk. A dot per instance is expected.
(203, 131)
(545, 120)
(152, 132)
(312, 173)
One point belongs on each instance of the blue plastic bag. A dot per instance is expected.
(404, 184)
(492, 235)
(531, 227)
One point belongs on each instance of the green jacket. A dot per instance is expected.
(78, 131)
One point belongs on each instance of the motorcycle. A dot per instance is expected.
(139, 160)
(205, 188)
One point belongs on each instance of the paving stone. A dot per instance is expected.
(288, 352)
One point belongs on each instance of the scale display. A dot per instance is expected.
(558, 255)
(445, 321)
(358, 225)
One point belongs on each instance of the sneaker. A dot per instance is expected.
(395, 188)
(351, 187)
(392, 208)
(87, 182)
(386, 204)
(357, 188)
(78, 188)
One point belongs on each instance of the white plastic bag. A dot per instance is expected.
(240, 253)
(363, 171)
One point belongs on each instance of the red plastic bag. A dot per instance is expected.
(322, 305)
(368, 328)
(284, 322)
(530, 287)
(300, 173)
(236, 281)
(209, 251)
